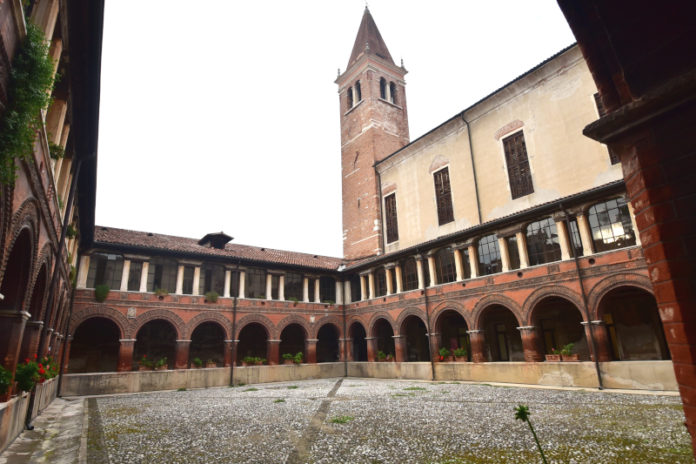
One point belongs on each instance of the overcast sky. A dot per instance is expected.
(223, 115)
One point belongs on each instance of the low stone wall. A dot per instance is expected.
(639, 375)
(12, 415)
(45, 393)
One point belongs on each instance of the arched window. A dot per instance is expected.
(444, 266)
(489, 255)
(349, 98)
(382, 88)
(542, 242)
(392, 92)
(410, 274)
(611, 226)
(358, 92)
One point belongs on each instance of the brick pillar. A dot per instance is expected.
(400, 348)
(531, 344)
(342, 349)
(272, 351)
(371, 348)
(601, 340)
(68, 342)
(229, 345)
(435, 346)
(347, 349)
(476, 341)
(47, 345)
(311, 349)
(125, 354)
(30, 340)
(182, 354)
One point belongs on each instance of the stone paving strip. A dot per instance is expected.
(381, 421)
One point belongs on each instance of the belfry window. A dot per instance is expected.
(382, 88)
(358, 92)
(443, 197)
(392, 92)
(349, 99)
(390, 213)
(518, 165)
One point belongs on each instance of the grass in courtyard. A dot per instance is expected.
(415, 389)
(279, 400)
(252, 389)
(182, 389)
(292, 387)
(341, 419)
(397, 395)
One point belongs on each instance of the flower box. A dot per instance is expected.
(570, 357)
(162, 368)
(144, 368)
(460, 359)
(210, 365)
(553, 357)
(288, 361)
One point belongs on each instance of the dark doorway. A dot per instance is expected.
(357, 334)
(327, 344)
(95, 346)
(208, 343)
(416, 336)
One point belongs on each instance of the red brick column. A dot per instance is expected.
(531, 344)
(30, 340)
(228, 357)
(272, 350)
(11, 334)
(125, 354)
(601, 340)
(476, 342)
(435, 346)
(49, 338)
(182, 354)
(343, 351)
(400, 348)
(371, 348)
(66, 363)
(311, 348)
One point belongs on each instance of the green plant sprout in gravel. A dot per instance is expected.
(522, 413)
(279, 400)
(342, 419)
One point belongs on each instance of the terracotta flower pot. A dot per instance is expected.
(553, 357)
(570, 357)
(460, 359)
(144, 368)
(210, 365)
(287, 361)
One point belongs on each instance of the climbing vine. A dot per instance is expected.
(31, 79)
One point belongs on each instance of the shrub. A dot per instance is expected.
(27, 375)
(197, 362)
(249, 359)
(145, 362)
(211, 296)
(71, 232)
(101, 292)
(381, 355)
(293, 299)
(161, 363)
(161, 292)
(460, 352)
(567, 349)
(444, 352)
(5, 380)
(298, 358)
(56, 151)
(288, 356)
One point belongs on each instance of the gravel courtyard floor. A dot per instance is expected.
(384, 421)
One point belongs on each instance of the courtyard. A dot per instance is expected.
(354, 420)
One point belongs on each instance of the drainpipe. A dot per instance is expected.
(234, 329)
(593, 342)
(381, 234)
(345, 335)
(427, 327)
(473, 167)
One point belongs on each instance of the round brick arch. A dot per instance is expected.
(153, 315)
(332, 320)
(448, 306)
(601, 289)
(411, 311)
(258, 319)
(43, 259)
(492, 300)
(25, 220)
(373, 321)
(209, 316)
(293, 319)
(550, 291)
(100, 311)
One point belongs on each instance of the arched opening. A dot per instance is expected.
(382, 88)
(327, 344)
(444, 266)
(502, 340)
(357, 335)
(253, 341)
(156, 340)
(416, 338)
(392, 93)
(95, 346)
(349, 98)
(559, 322)
(633, 325)
(32, 331)
(292, 340)
(384, 335)
(453, 331)
(207, 343)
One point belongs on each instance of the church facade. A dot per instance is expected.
(502, 233)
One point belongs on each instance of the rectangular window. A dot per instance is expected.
(390, 212)
(136, 269)
(293, 286)
(255, 283)
(613, 157)
(518, 165)
(513, 252)
(443, 197)
(188, 280)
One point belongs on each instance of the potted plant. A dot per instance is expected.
(260, 361)
(197, 363)
(101, 292)
(381, 356)
(566, 353)
(460, 355)
(145, 364)
(26, 375)
(211, 297)
(161, 293)
(390, 357)
(210, 363)
(5, 384)
(554, 356)
(288, 358)
(298, 358)
(161, 365)
(445, 354)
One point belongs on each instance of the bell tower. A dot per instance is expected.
(374, 124)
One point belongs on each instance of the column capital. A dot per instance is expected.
(183, 341)
(509, 231)
(526, 327)
(312, 340)
(397, 336)
(460, 245)
(474, 332)
(14, 314)
(598, 322)
(189, 262)
(433, 334)
(49, 330)
(390, 265)
(274, 341)
(126, 340)
(276, 273)
(418, 257)
(138, 258)
(345, 339)
(38, 324)
(370, 338)
(365, 273)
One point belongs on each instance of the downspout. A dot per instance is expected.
(345, 334)
(593, 342)
(473, 167)
(64, 348)
(234, 328)
(427, 326)
(381, 217)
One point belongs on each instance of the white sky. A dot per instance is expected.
(223, 115)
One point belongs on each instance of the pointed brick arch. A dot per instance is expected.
(376, 317)
(152, 315)
(209, 316)
(44, 259)
(106, 312)
(492, 300)
(26, 217)
(259, 319)
(601, 289)
(411, 311)
(293, 319)
(548, 291)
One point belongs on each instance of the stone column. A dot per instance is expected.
(478, 354)
(633, 222)
(12, 324)
(371, 284)
(196, 280)
(180, 280)
(601, 339)
(585, 234)
(347, 292)
(473, 260)
(504, 253)
(458, 264)
(229, 346)
(363, 287)
(226, 285)
(399, 348)
(339, 292)
(531, 344)
(311, 349)
(388, 274)
(432, 271)
(125, 274)
(371, 348)
(242, 283)
(84, 269)
(281, 287)
(269, 286)
(399, 279)
(125, 354)
(143, 276)
(522, 249)
(317, 296)
(563, 239)
(305, 289)
(272, 348)
(182, 354)
(419, 271)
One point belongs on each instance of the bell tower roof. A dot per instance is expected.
(369, 41)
